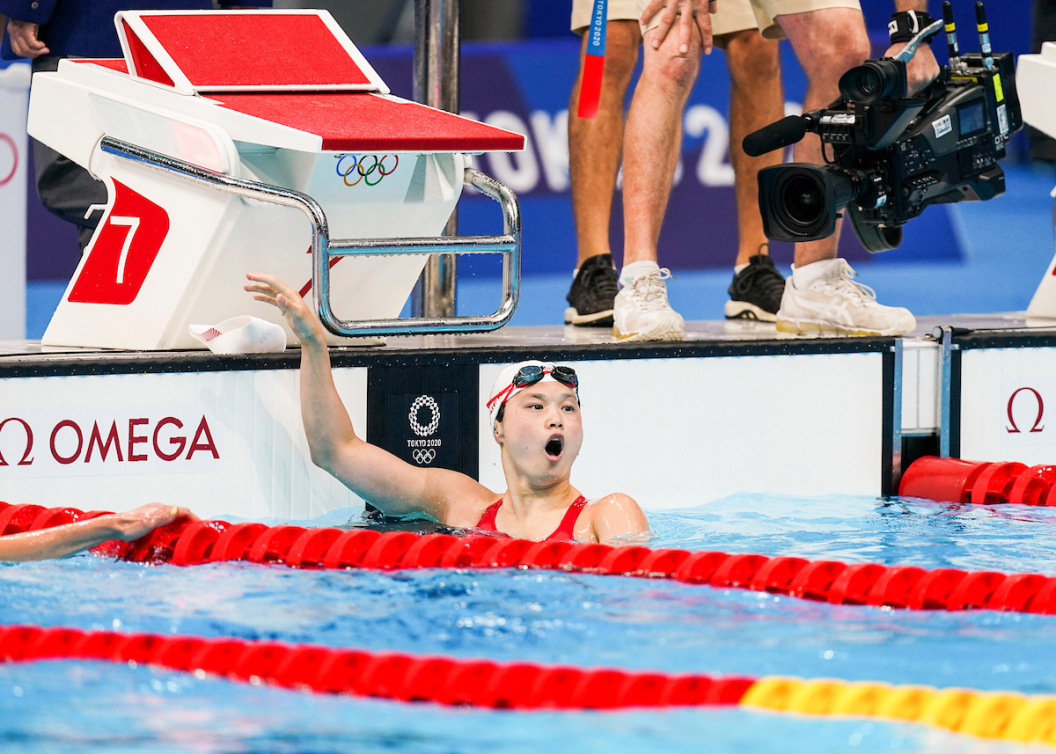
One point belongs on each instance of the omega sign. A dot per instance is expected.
(8, 159)
(1028, 404)
(139, 443)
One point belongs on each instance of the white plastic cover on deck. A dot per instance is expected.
(279, 97)
(1035, 80)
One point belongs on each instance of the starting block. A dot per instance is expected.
(1035, 79)
(247, 141)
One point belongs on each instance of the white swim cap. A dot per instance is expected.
(241, 335)
(516, 377)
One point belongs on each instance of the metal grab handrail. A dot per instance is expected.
(509, 245)
(323, 249)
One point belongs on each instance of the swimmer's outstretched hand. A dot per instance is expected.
(303, 321)
(66, 539)
(139, 522)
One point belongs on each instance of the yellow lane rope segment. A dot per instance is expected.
(985, 714)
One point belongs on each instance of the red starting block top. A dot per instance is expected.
(363, 122)
(244, 51)
(291, 50)
(294, 68)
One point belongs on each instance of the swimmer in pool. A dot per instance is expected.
(536, 421)
(67, 539)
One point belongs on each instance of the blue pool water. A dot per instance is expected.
(545, 617)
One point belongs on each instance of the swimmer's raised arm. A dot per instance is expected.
(61, 541)
(373, 473)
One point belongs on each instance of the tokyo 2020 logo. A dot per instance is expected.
(424, 401)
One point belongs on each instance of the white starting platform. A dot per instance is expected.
(256, 141)
(217, 166)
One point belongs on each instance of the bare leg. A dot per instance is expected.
(652, 141)
(825, 298)
(594, 146)
(827, 43)
(756, 100)
(651, 145)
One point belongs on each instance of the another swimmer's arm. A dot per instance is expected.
(373, 473)
(618, 515)
(61, 541)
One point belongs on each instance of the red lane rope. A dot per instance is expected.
(954, 480)
(390, 675)
(188, 543)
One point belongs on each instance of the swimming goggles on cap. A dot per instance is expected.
(533, 373)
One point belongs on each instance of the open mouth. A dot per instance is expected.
(554, 447)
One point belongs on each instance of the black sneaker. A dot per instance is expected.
(756, 291)
(592, 294)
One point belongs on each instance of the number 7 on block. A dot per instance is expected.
(123, 251)
(133, 225)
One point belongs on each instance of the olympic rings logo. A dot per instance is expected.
(423, 457)
(434, 408)
(369, 174)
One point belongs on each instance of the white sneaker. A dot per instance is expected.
(836, 304)
(641, 310)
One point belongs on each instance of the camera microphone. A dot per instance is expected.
(984, 35)
(778, 135)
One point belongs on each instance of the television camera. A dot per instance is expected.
(889, 155)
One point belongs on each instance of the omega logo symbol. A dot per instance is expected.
(25, 460)
(424, 430)
(6, 176)
(1014, 429)
(70, 442)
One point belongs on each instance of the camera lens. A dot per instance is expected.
(870, 82)
(802, 200)
(874, 80)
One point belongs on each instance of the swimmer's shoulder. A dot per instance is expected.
(612, 500)
(466, 502)
(614, 515)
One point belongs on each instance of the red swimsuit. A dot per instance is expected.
(565, 531)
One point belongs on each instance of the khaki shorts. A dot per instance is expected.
(737, 15)
(619, 10)
(732, 15)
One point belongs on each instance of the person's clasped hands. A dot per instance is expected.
(690, 15)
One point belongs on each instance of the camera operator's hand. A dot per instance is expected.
(691, 14)
(922, 69)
